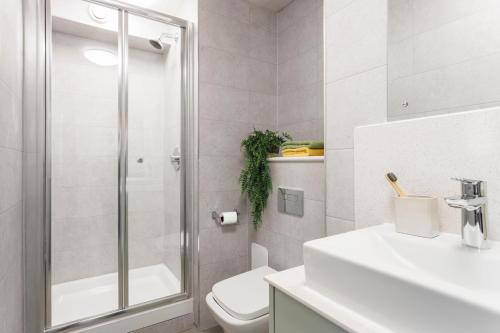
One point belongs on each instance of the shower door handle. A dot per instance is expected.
(175, 159)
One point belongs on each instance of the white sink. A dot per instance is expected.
(407, 283)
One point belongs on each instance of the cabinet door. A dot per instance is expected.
(289, 316)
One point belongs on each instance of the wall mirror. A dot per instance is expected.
(443, 57)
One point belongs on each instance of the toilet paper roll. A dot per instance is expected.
(228, 218)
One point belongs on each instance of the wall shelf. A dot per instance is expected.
(318, 159)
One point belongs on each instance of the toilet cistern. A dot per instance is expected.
(472, 202)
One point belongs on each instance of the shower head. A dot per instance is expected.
(159, 43)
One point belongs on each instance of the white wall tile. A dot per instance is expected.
(356, 39)
(336, 226)
(471, 37)
(400, 18)
(11, 140)
(10, 178)
(340, 184)
(333, 6)
(400, 59)
(354, 101)
(10, 119)
(447, 88)
(445, 147)
(11, 44)
(430, 14)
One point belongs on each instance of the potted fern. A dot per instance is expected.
(255, 179)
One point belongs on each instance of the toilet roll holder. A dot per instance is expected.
(216, 216)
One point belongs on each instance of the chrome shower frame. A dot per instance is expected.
(188, 161)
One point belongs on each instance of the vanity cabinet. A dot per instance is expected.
(286, 315)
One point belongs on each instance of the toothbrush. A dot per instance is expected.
(393, 181)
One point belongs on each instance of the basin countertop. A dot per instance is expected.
(377, 280)
(292, 282)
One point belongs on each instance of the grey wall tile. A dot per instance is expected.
(262, 77)
(237, 92)
(223, 103)
(283, 234)
(301, 104)
(302, 35)
(296, 10)
(300, 69)
(176, 325)
(262, 45)
(262, 110)
(238, 9)
(215, 144)
(305, 130)
(223, 68)
(218, 173)
(223, 33)
(263, 18)
(213, 273)
(222, 201)
(223, 243)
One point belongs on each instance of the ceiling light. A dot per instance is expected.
(98, 13)
(101, 57)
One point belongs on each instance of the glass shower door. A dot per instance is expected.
(83, 162)
(115, 179)
(154, 175)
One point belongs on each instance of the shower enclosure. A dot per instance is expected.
(117, 124)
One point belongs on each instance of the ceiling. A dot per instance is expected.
(275, 5)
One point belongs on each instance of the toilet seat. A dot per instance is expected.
(244, 296)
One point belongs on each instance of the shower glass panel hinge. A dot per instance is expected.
(175, 159)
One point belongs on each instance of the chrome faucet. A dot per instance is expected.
(473, 202)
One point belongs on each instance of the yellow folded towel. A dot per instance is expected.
(301, 152)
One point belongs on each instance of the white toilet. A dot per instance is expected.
(240, 304)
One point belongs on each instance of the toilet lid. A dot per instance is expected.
(244, 296)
